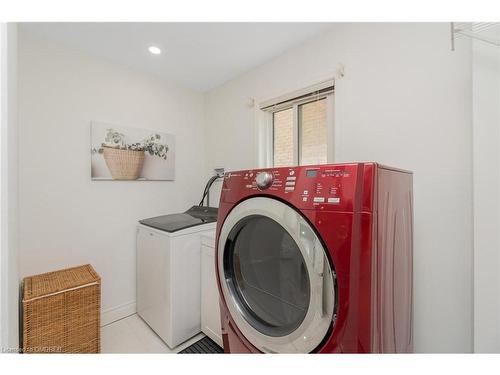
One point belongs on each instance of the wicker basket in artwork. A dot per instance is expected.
(61, 311)
(123, 164)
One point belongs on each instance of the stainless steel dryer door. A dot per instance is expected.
(275, 276)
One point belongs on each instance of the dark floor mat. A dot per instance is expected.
(203, 346)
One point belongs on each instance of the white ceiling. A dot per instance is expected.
(199, 56)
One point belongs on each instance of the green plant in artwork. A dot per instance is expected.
(152, 144)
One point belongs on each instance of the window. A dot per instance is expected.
(283, 138)
(312, 133)
(301, 129)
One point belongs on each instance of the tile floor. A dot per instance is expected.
(133, 335)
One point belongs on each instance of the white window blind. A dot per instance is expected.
(299, 96)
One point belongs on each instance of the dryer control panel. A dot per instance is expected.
(323, 187)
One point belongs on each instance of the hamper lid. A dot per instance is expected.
(57, 281)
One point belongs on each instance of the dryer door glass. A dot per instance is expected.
(268, 275)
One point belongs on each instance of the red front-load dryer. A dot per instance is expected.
(316, 259)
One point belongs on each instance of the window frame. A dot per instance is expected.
(294, 105)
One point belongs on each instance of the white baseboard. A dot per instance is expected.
(116, 313)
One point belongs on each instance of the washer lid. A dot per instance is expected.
(196, 215)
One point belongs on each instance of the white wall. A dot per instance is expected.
(486, 157)
(405, 101)
(9, 190)
(65, 218)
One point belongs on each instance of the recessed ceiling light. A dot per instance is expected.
(154, 50)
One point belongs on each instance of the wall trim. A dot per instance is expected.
(113, 314)
(9, 280)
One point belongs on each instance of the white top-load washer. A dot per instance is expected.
(168, 272)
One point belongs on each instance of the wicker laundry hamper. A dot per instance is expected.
(61, 311)
(123, 164)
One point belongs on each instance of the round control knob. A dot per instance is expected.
(264, 180)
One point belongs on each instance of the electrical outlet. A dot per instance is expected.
(219, 171)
